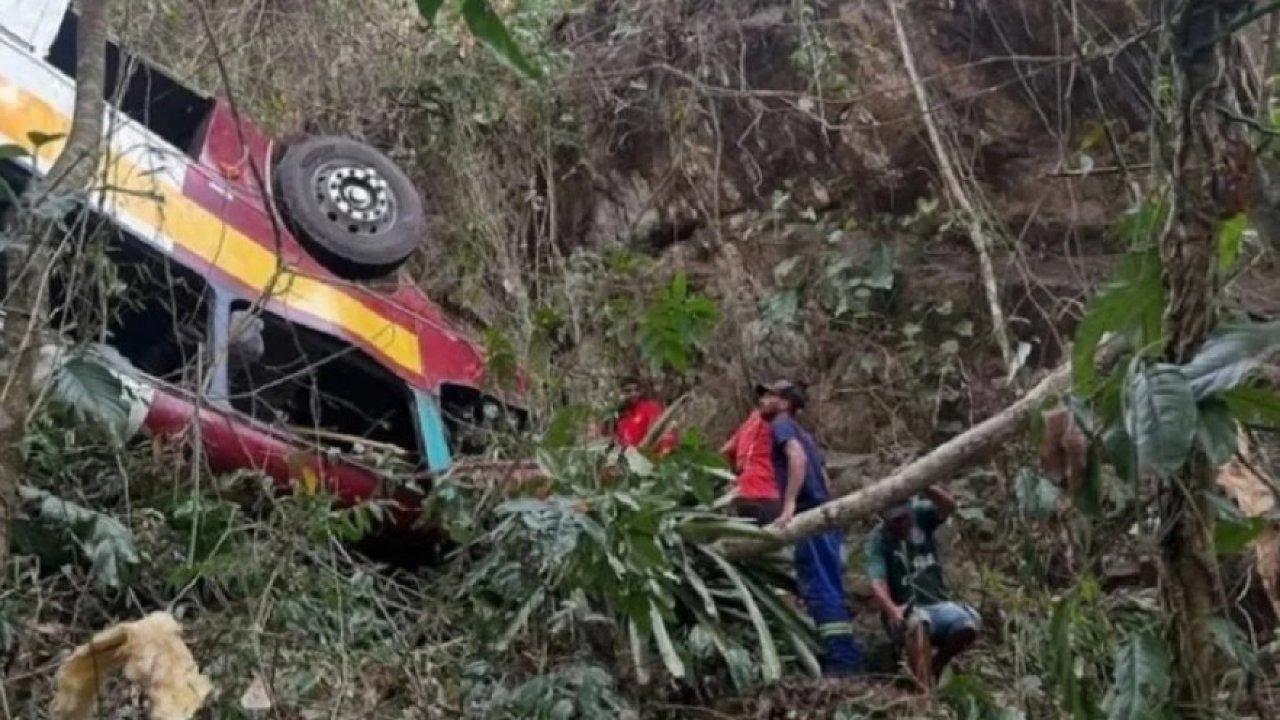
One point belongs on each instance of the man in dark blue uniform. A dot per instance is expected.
(802, 478)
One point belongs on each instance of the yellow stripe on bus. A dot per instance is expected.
(157, 204)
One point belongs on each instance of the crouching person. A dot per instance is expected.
(906, 580)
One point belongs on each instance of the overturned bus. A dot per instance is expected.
(250, 291)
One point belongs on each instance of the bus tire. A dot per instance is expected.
(350, 205)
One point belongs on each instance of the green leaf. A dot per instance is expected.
(1120, 451)
(639, 658)
(699, 586)
(488, 29)
(1254, 406)
(1232, 536)
(768, 650)
(12, 152)
(103, 540)
(1216, 431)
(1065, 630)
(1088, 497)
(1141, 686)
(1230, 231)
(517, 624)
(429, 9)
(92, 391)
(1228, 356)
(1139, 227)
(1037, 496)
(1234, 644)
(675, 325)
(1131, 304)
(1232, 531)
(742, 670)
(1160, 416)
(666, 649)
(712, 529)
(804, 654)
(500, 362)
(880, 270)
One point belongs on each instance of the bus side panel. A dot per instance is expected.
(33, 22)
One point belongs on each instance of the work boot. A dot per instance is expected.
(843, 657)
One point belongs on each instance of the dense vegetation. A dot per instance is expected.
(708, 193)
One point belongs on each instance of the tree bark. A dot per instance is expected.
(1210, 168)
(73, 172)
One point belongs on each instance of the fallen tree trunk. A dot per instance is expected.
(938, 466)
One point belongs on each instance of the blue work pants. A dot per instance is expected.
(818, 573)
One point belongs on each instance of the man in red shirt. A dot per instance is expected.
(636, 416)
(748, 451)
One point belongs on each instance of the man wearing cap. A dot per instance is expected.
(800, 472)
(906, 580)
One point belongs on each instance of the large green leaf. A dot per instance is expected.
(1131, 304)
(103, 540)
(1120, 451)
(1141, 687)
(768, 649)
(489, 29)
(1234, 535)
(1229, 355)
(666, 648)
(93, 392)
(1254, 406)
(1216, 431)
(1062, 657)
(1232, 530)
(1160, 416)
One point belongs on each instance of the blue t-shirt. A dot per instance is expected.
(814, 490)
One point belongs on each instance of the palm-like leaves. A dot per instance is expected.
(639, 548)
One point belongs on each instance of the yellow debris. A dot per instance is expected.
(151, 653)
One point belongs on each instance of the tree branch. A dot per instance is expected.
(73, 171)
(977, 232)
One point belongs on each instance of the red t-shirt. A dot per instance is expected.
(753, 459)
(634, 422)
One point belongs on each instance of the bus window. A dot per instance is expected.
(109, 286)
(148, 95)
(314, 383)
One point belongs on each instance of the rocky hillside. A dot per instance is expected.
(828, 173)
(776, 151)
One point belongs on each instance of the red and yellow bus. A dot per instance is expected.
(214, 229)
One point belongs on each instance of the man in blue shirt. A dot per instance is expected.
(801, 474)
